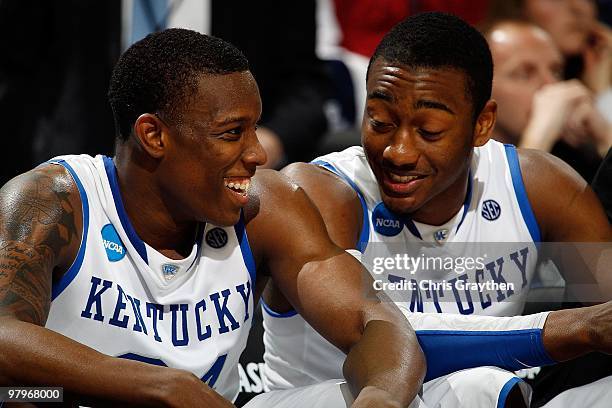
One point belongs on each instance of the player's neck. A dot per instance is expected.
(154, 223)
(444, 206)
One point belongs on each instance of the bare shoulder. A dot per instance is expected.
(540, 168)
(337, 202)
(320, 184)
(281, 217)
(561, 199)
(44, 196)
(40, 232)
(273, 195)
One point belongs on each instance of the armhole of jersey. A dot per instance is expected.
(505, 391)
(364, 235)
(245, 248)
(278, 315)
(72, 272)
(111, 175)
(521, 194)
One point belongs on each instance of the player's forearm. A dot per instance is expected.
(33, 355)
(387, 357)
(574, 332)
(511, 343)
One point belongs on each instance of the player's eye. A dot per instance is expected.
(428, 134)
(233, 134)
(379, 127)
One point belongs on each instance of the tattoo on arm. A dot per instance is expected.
(37, 226)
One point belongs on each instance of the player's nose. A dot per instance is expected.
(402, 149)
(255, 154)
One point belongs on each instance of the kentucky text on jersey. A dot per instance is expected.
(133, 317)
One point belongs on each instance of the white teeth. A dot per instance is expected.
(402, 179)
(238, 186)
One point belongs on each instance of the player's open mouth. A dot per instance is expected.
(401, 184)
(239, 186)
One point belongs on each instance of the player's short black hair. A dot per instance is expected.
(441, 40)
(159, 74)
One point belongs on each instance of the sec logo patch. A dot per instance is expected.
(216, 238)
(491, 210)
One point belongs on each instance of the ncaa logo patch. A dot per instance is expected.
(385, 222)
(115, 250)
(216, 238)
(491, 210)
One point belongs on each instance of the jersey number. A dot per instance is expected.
(211, 376)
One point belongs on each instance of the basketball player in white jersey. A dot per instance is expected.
(428, 173)
(131, 279)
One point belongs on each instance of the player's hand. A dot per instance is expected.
(182, 389)
(372, 397)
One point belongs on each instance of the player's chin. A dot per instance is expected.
(228, 218)
(402, 205)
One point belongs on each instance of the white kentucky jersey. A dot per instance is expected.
(124, 299)
(418, 265)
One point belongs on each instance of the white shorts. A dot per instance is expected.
(481, 387)
(597, 394)
(328, 394)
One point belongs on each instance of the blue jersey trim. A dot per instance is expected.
(247, 255)
(503, 394)
(412, 228)
(364, 236)
(521, 194)
(466, 205)
(468, 200)
(199, 235)
(272, 313)
(143, 359)
(511, 350)
(111, 173)
(72, 272)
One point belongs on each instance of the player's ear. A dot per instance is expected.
(151, 133)
(485, 123)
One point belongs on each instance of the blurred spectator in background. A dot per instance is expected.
(585, 42)
(57, 58)
(536, 108)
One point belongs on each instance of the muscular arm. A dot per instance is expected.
(332, 291)
(40, 233)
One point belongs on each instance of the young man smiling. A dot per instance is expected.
(131, 279)
(428, 176)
